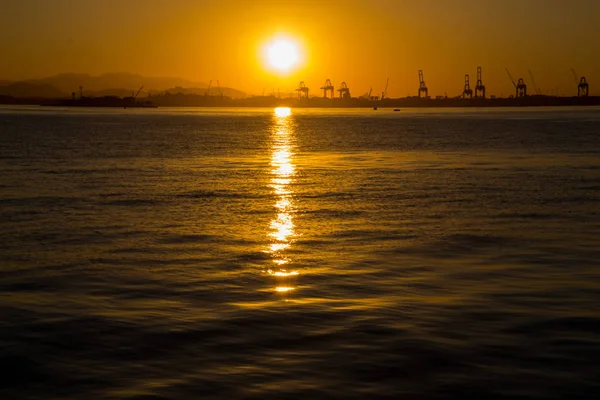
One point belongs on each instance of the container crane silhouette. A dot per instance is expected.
(344, 91)
(302, 90)
(467, 91)
(583, 88)
(479, 87)
(327, 88)
(520, 86)
(422, 86)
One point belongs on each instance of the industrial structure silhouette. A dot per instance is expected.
(468, 96)
(479, 92)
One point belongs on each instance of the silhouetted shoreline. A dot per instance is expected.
(189, 100)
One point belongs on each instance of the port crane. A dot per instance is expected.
(219, 88)
(344, 91)
(384, 93)
(372, 98)
(583, 88)
(130, 101)
(302, 90)
(207, 93)
(479, 87)
(138, 93)
(422, 86)
(520, 86)
(467, 91)
(536, 90)
(367, 96)
(327, 88)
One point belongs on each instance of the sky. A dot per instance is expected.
(361, 42)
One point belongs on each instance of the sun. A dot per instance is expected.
(282, 55)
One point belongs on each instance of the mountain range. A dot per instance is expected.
(110, 84)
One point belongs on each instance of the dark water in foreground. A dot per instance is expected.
(323, 254)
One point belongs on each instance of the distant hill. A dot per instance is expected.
(131, 82)
(30, 89)
(112, 84)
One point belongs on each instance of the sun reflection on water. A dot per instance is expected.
(282, 231)
(283, 112)
(283, 273)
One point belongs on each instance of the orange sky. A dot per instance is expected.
(361, 42)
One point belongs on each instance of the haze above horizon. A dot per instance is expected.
(361, 43)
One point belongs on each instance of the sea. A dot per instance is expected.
(198, 253)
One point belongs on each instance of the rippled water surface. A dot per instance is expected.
(189, 253)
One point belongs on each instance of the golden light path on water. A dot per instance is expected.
(281, 228)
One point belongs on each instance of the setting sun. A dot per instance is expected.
(282, 54)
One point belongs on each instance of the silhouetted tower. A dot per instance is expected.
(327, 88)
(479, 87)
(344, 91)
(422, 86)
(302, 91)
(467, 91)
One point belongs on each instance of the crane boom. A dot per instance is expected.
(208, 90)
(575, 76)
(384, 94)
(511, 78)
(138, 92)
(533, 81)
